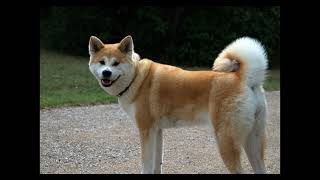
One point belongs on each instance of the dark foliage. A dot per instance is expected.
(190, 36)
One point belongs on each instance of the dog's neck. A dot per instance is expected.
(142, 69)
(125, 90)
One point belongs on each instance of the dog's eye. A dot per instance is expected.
(102, 62)
(116, 63)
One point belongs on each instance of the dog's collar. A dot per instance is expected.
(121, 93)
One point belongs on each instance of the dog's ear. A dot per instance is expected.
(95, 45)
(126, 45)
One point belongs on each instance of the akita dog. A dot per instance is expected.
(230, 98)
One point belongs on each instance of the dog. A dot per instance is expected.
(229, 98)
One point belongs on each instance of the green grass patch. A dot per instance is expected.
(272, 82)
(66, 81)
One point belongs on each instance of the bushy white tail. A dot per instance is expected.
(246, 56)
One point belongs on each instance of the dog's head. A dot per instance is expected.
(113, 65)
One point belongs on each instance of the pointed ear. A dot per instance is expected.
(95, 45)
(126, 45)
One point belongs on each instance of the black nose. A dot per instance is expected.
(106, 73)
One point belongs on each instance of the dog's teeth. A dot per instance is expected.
(106, 82)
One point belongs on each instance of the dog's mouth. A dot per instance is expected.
(108, 82)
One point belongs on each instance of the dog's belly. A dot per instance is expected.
(201, 118)
(171, 122)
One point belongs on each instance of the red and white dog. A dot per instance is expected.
(230, 98)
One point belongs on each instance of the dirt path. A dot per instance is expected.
(102, 139)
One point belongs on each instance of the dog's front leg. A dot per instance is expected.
(150, 150)
(158, 158)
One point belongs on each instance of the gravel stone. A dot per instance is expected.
(103, 140)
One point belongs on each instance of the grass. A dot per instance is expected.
(66, 81)
(272, 82)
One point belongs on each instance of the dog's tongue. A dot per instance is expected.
(105, 81)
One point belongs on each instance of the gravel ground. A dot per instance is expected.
(102, 140)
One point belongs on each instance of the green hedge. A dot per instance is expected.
(190, 36)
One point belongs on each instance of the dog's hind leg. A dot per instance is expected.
(229, 146)
(230, 151)
(255, 143)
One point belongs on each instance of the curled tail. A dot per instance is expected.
(245, 56)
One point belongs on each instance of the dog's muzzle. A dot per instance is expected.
(107, 82)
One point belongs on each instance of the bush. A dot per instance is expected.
(181, 36)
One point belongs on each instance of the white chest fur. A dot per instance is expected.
(128, 108)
